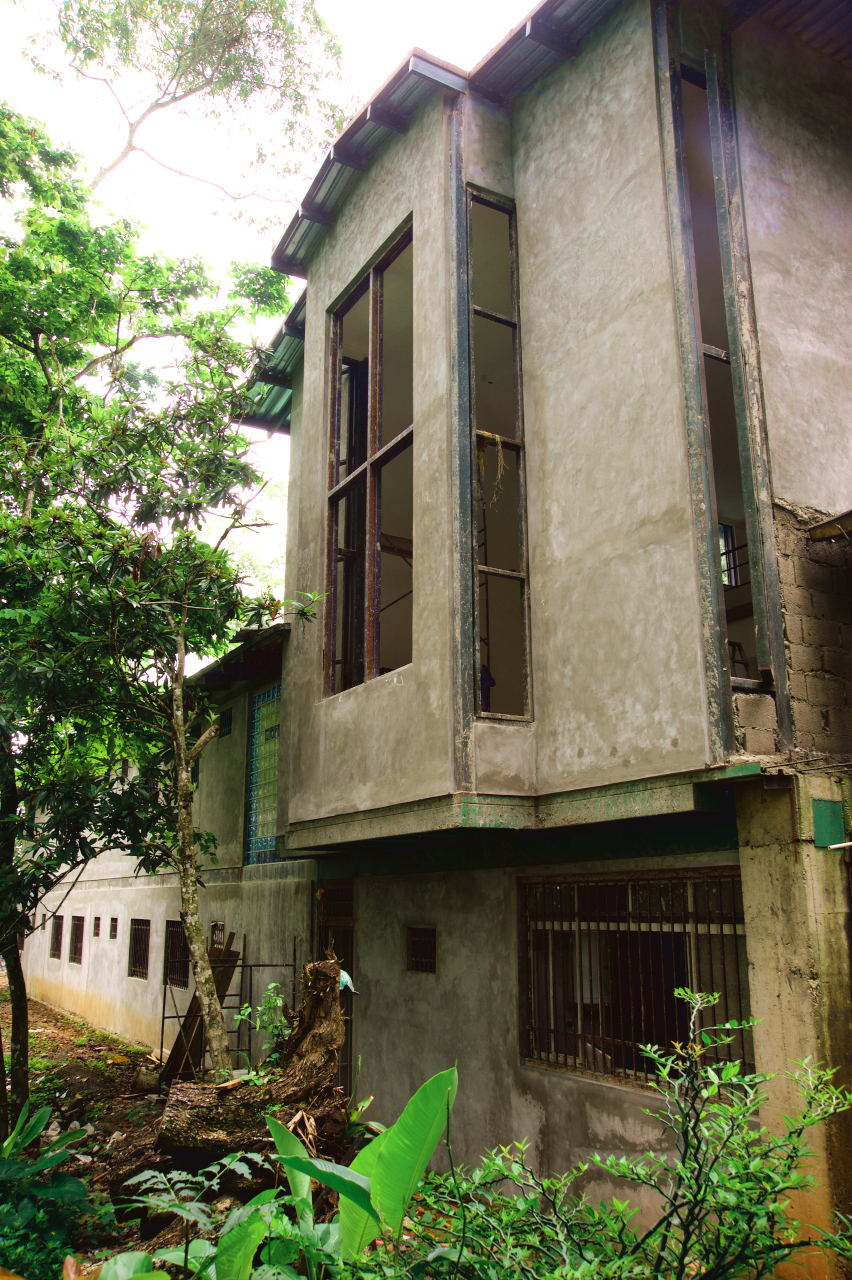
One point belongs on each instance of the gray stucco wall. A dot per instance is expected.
(408, 1025)
(617, 657)
(387, 741)
(794, 117)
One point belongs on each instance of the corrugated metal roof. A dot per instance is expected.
(270, 388)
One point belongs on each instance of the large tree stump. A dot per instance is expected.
(218, 1120)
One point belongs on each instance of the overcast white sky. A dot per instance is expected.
(186, 217)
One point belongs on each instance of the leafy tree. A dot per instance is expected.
(106, 583)
(224, 55)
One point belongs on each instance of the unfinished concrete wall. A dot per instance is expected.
(794, 121)
(409, 1025)
(816, 593)
(617, 654)
(386, 741)
(796, 901)
(268, 906)
(220, 799)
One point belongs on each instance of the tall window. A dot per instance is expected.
(715, 345)
(501, 598)
(56, 938)
(264, 733)
(371, 476)
(600, 960)
(75, 946)
(140, 945)
(176, 956)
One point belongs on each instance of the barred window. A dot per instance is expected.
(56, 938)
(176, 956)
(140, 943)
(226, 722)
(600, 960)
(422, 949)
(75, 947)
(113, 928)
(217, 934)
(96, 927)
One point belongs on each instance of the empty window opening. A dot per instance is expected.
(113, 928)
(499, 500)
(217, 934)
(176, 956)
(140, 943)
(422, 949)
(263, 776)
(226, 722)
(371, 476)
(716, 343)
(600, 961)
(56, 938)
(96, 927)
(75, 945)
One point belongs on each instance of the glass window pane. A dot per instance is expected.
(349, 587)
(397, 405)
(494, 377)
(501, 633)
(396, 597)
(491, 253)
(497, 511)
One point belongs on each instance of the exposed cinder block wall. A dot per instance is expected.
(756, 723)
(816, 595)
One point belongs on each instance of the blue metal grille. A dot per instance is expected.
(263, 776)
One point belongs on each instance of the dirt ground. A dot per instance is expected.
(91, 1079)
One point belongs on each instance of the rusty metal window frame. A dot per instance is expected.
(176, 957)
(476, 195)
(631, 940)
(368, 472)
(139, 950)
(56, 937)
(75, 942)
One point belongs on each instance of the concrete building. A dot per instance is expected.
(569, 394)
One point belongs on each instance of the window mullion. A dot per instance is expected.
(374, 409)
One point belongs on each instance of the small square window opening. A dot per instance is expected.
(217, 934)
(422, 949)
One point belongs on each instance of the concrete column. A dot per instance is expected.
(795, 899)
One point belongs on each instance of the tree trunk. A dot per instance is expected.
(4, 1101)
(211, 1009)
(19, 1072)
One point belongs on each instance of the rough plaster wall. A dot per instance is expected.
(387, 741)
(617, 655)
(795, 899)
(794, 118)
(270, 905)
(407, 1025)
(220, 800)
(816, 594)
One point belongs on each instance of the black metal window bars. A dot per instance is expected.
(600, 959)
(56, 938)
(75, 945)
(140, 945)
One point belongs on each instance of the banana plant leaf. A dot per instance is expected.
(357, 1228)
(409, 1147)
(345, 1181)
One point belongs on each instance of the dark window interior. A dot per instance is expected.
(217, 934)
(422, 949)
(176, 956)
(736, 576)
(113, 928)
(96, 927)
(226, 722)
(140, 943)
(372, 477)
(600, 961)
(499, 505)
(75, 945)
(56, 938)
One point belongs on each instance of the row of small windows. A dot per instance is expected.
(176, 957)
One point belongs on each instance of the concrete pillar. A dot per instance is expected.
(795, 898)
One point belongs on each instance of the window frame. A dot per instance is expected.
(492, 200)
(57, 929)
(75, 940)
(371, 284)
(139, 929)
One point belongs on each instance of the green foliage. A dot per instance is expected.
(270, 1019)
(40, 1206)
